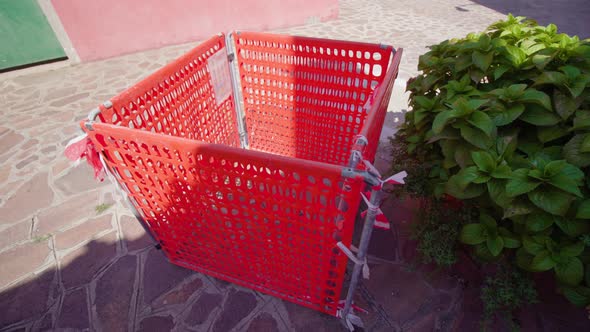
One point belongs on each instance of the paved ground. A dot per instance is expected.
(73, 257)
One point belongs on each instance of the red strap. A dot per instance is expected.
(82, 147)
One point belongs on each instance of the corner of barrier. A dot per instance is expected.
(91, 118)
(360, 259)
(372, 177)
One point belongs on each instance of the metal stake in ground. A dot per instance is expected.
(362, 252)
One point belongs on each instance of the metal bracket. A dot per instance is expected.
(369, 178)
(355, 159)
(362, 140)
(94, 113)
(350, 254)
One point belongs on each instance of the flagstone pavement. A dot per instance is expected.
(73, 257)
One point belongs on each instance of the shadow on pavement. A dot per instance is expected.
(570, 16)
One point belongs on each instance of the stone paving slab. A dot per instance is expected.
(74, 259)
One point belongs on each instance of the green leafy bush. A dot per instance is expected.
(506, 291)
(438, 231)
(502, 120)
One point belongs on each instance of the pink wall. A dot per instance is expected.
(104, 28)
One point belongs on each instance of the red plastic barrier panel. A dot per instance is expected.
(308, 98)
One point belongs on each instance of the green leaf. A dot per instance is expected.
(447, 134)
(448, 149)
(488, 222)
(506, 143)
(564, 176)
(565, 105)
(463, 155)
(441, 120)
(424, 102)
(474, 104)
(550, 77)
(413, 139)
(583, 210)
(496, 189)
(542, 60)
(573, 228)
(566, 184)
(500, 70)
(520, 183)
(475, 136)
(542, 261)
(508, 115)
(533, 244)
(482, 178)
(579, 296)
(466, 176)
(476, 75)
(572, 172)
(551, 200)
(428, 81)
(585, 146)
(538, 222)
(482, 60)
(551, 153)
(581, 120)
(536, 174)
(548, 134)
(570, 72)
(582, 51)
(483, 253)
(540, 117)
(482, 121)
(577, 87)
(515, 91)
(537, 97)
(420, 115)
(534, 48)
(515, 55)
(524, 259)
(502, 172)
(517, 208)
(511, 241)
(473, 234)
(570, 272)
(483, 160)
(572, 250)
(529, 145)
(495, 245)
(471, 191)
(463, 62)
(573, 153)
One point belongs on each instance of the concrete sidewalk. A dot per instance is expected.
(74, 258)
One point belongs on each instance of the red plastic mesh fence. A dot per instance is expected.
(378, 110)
(305, 97)
(180, 100)
(265, 221)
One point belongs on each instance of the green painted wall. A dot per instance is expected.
(25, 35)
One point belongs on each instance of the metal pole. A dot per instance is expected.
(362, 252)
(236, 89)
